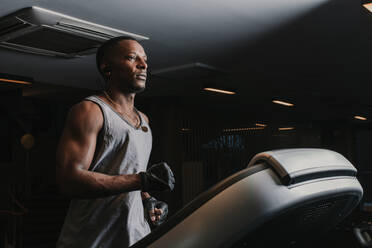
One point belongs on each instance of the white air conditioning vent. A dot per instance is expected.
(41, 31)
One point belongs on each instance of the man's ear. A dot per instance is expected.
(106, 69)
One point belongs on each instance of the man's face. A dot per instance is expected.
(128, 63)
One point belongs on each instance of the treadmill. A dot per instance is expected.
(282, 198)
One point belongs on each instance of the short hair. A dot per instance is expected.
(106, 47)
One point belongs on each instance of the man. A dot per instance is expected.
(103, 154)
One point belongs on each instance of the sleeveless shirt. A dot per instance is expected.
(114, 221)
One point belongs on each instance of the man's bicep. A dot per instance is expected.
(74, 151)
(78, 140)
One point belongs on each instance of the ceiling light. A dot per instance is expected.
(288, 104)
(14, 81)
(243, 129)
(260, 125)
(358, 117)
(229, 92)
(6, 78)
(368, 6)
(285, 128)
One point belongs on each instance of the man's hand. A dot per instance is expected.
(158, 177)
(156, 211)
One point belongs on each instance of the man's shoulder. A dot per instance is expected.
(86, 112)
(86, 107)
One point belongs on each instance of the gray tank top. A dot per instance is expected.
(115, 221)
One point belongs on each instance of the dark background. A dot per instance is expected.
(202, 145)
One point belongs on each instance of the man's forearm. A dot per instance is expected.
(87, 184)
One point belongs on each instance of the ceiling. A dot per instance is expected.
(314, 53)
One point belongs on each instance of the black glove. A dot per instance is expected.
(155, 216)
(158, 177)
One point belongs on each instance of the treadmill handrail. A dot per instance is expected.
(299, 165)
(196, 203)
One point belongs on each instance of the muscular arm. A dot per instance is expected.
(75, 153)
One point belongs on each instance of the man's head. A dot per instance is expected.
(122, 61)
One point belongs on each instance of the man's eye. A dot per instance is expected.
(131, 57)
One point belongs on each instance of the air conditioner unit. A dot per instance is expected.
(45, 32)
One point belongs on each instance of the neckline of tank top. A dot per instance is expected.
(140, 127)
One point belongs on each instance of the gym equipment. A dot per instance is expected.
(363, 234)
(282, 198)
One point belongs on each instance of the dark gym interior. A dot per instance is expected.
(314, 54)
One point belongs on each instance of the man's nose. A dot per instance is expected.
(142, 64)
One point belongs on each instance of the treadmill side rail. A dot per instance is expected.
(299, 165)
